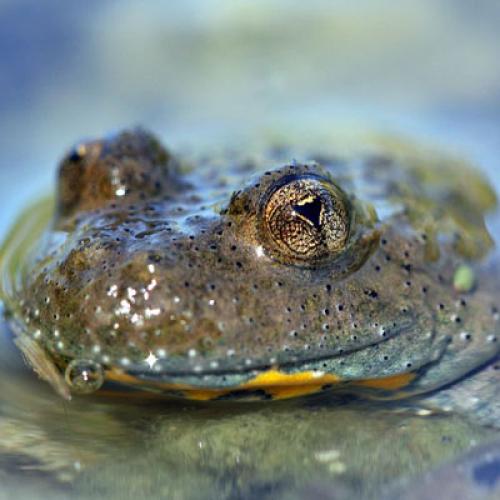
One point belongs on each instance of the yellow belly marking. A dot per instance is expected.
(277, 384)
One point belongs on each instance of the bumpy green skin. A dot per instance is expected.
(148, 253)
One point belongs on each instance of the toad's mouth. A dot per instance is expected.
(268, 384)
(363, 369)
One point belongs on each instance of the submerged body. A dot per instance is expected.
(237, 277)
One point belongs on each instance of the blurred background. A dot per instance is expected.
(200, 72)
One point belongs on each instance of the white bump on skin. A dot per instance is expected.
(424, 412)
(137, 319)
(131, 293)
(149, 313)
(151, 359)
(465, 335)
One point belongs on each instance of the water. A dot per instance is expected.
(223, 72)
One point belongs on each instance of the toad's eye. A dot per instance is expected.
(305, 219)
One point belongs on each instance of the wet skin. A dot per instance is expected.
(234, 277)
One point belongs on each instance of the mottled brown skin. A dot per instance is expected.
(151, 254)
